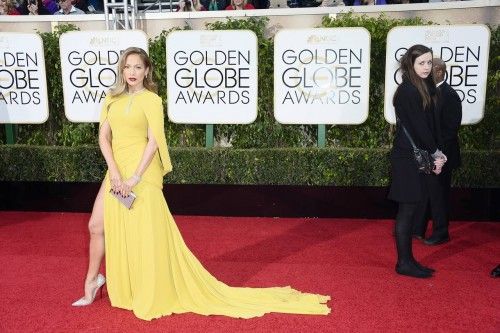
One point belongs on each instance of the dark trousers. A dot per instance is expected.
(402, 232)
(435, 200)
(445, 180)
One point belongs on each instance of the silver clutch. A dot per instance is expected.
(126, 201)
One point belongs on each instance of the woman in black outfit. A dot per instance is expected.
(414, 102)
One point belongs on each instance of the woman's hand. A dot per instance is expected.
(128, 185)
(33, 9)
(439, 162)
(116, 180)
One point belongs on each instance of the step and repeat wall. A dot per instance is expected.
(212, 77)
(89, 61)
(464, 49)
(321, 76)
(23, 85)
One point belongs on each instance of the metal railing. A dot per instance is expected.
(122, 14)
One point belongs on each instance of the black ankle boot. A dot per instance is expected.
(422, 267)
(410, 269)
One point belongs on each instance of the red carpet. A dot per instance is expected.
(43, 261)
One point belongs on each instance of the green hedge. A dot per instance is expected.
(266, 132)
(264, 152)
(274, 166)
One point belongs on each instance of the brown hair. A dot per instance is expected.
(408, 73)
(191, 5)
(120, 86)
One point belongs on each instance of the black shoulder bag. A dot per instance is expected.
(424, 160)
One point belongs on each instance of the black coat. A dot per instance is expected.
(450, 117)
(407, 185)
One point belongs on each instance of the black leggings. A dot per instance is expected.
(404, 227)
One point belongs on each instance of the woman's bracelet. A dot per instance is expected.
(136, 177)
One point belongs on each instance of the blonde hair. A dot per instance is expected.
(197, 5)
(9, 5)
(243, 3)
(120, 86)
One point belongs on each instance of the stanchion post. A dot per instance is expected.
(9, 132)
(209, 136)
(321, 136)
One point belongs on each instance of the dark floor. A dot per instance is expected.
(469, 204)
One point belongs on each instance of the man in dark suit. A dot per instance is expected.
(449, 117)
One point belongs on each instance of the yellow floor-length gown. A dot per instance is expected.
(149, 268)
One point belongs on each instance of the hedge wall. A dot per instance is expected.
(273, 166)
(266, 132)
(264, 152)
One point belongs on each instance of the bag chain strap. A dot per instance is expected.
(406, 132)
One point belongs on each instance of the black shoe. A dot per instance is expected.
(496, 272)
(423, 268)
(436, 240)
(412, 270)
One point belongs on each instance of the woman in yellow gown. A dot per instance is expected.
(149, 268)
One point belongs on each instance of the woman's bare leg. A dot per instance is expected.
(96, 246)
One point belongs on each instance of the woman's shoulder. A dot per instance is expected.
(406, 89)
(407, 86)
(151, 96)
(150, 101)
(111, 98)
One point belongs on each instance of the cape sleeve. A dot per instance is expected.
(154, 115)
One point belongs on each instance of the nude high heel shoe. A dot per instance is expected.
(100, 281)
